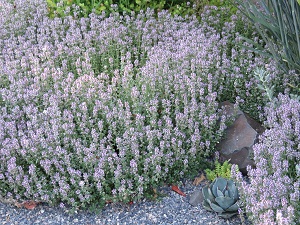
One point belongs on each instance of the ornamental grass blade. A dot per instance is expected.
(278, 23)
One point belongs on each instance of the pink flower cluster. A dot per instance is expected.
(273, 194)
(103, 108)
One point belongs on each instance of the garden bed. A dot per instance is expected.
(105, 109)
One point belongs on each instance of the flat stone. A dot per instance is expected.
(239, 138)
(254, 124)
(241, 158)
(239, 135)
(196, 198)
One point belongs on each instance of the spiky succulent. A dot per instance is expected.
(221, 196)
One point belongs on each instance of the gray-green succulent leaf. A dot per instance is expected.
(216, 208)
(221, 196)
(233, 208)
(225, 202)
(227, 215)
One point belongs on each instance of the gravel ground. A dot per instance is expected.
(172, 209)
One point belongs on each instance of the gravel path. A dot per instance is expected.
(172, 209)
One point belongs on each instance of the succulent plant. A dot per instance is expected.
(221, 196)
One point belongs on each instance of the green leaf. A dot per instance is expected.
(260, 87)
(101, 8)
(51, 3)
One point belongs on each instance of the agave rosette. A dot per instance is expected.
(221, 196)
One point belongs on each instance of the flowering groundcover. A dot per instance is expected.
(103, 109)
(273, 194)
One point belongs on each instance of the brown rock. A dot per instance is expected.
(239, 138)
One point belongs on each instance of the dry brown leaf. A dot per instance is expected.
(30, 204)
(155, 193)
(17, 204)
(178, 191)
(199, 179)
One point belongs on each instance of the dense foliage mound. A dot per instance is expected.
(101, 109)
(272, 196)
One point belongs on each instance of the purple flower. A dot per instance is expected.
(32, 169)
(133, 166)
(11, 165)
(97, 100)
(271, 185)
